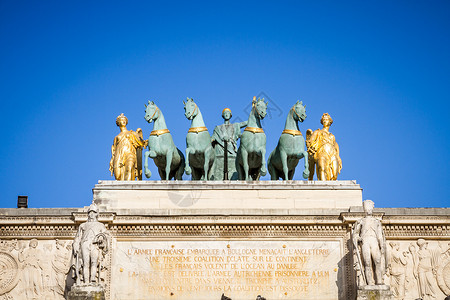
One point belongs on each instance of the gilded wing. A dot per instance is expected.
(142, 144)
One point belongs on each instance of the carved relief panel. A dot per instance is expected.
(34, 269)
(419, 269)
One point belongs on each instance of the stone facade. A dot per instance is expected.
(166, 251)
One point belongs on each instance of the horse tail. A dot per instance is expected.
(180, 170)
(269, 160)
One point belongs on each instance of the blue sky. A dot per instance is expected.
(381, 69)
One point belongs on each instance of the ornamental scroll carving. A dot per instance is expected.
(34, 269)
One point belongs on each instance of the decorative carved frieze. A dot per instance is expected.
(419, 269)
(34, 269)
(44, 231)
(414, 231)
(50, 259)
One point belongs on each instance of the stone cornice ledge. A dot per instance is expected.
(227, 220)
(104, 217)
(410, 216)
(226, 185)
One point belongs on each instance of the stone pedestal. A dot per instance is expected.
(226, 195)
(374, 292)
(86, 292)
(199, 239)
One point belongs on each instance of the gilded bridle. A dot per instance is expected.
(295, 112)
(156, 110)
(255, 107)
(195, 108)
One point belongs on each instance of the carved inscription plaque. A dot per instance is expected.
(239, 269)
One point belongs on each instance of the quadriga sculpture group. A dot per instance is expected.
(218, 157)
(168, 158)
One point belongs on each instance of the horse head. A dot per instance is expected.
(151, 111)
(260, 107)
(299, 111)
(190, 108)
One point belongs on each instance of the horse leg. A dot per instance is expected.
(244, 155)
(272, 172)
(271, 168)
(291, 174)
(283, 158)
(187, 168)
(169, 156)
(208, 156)
(162, 174)
(178, 175)
(147, 171)
(196, 175)
(152, 154)
(255, 174)
(307, 169)
(263, 170)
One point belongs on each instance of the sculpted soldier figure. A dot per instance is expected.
(226, 135)
(126, 152)
(90, 245)
(323, 151)
(370, 246)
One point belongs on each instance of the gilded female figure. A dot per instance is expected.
(126, 160)
(323, 151)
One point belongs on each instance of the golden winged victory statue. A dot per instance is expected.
(323, 151)
(126, 152)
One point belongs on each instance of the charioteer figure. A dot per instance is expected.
(224, 140)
